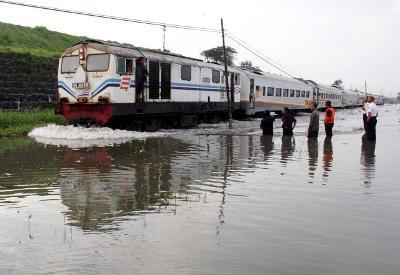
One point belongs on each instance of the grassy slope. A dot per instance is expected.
(37, 41)
(21, 123)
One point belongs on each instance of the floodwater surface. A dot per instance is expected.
(210, 200)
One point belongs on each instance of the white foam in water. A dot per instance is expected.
(77, 137)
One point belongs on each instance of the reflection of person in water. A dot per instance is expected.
(267, 145)
(368, 159)
(312, 145)
(287, 149)
(327, 157)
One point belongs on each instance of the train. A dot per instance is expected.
(96, 85)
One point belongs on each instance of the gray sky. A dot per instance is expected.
(352, 40)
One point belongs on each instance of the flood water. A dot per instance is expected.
(204, 201)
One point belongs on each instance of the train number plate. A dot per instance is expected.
(80, 85)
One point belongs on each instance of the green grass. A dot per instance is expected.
(14, 124)
(37, 41)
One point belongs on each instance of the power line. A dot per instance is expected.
(258, 52)
(259, 56)
(132, 20)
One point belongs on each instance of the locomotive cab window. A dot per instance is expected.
(69, 64)
(98, 62)
(308, 94)
(186, 73)
(215, 76)
(124, 65)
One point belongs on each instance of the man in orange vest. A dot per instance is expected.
(329, 118)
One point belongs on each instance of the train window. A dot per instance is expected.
(264, 91)
(270, 91)
(186, 73)
(308, 94)
(237, 79)
(291, 93)
(278, 92)
(257, 91)
(303, 93)
(215, 76)
(285, 92)
(98, 62)
(69, 64)
(297, 93)
(129, 66)
(124, 65)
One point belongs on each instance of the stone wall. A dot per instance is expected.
(27, 81)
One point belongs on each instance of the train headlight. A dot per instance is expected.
(81, 53)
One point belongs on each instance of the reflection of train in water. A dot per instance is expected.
(96, 84)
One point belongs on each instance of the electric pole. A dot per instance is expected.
(226, 75)
(164, 30)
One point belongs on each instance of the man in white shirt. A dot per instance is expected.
(372, 113)
(365, 112)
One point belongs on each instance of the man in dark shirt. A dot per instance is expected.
(267, 124)
(141, 74)
(288, 122)
(314, 122)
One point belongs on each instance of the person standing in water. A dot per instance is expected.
(365, 112)
(313, 127)
(329, 118)
(288, 122)
(372, 114)
(267, 124)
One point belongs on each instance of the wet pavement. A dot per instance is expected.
(210, 200)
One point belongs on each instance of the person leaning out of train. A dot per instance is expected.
(313, 127)
(141, 75)
(371, 118)
(267, 124)
(329, 118)
(288, 122)
(365, 110)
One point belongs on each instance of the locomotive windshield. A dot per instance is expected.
(98, 62)
(69, 64)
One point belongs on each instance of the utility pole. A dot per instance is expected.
(365, 88)
(226, 75)
(164, 30)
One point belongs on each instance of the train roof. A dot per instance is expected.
(126, 50)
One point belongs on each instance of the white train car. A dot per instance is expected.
(351, 99)
(267, 91)
(96, 83)
(332, 93)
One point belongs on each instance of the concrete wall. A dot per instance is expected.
(27, 81)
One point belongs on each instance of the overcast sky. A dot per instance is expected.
(352, 40)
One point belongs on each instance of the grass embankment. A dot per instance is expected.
(37, 41)
(13, 124)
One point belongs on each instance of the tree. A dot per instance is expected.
(247, 64)
(217, 55)
(337, 82)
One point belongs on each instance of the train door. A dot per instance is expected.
(141, 89)
(251, 94)
(165, 81)
(232, 87)
(154, 80)
(159, 72)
